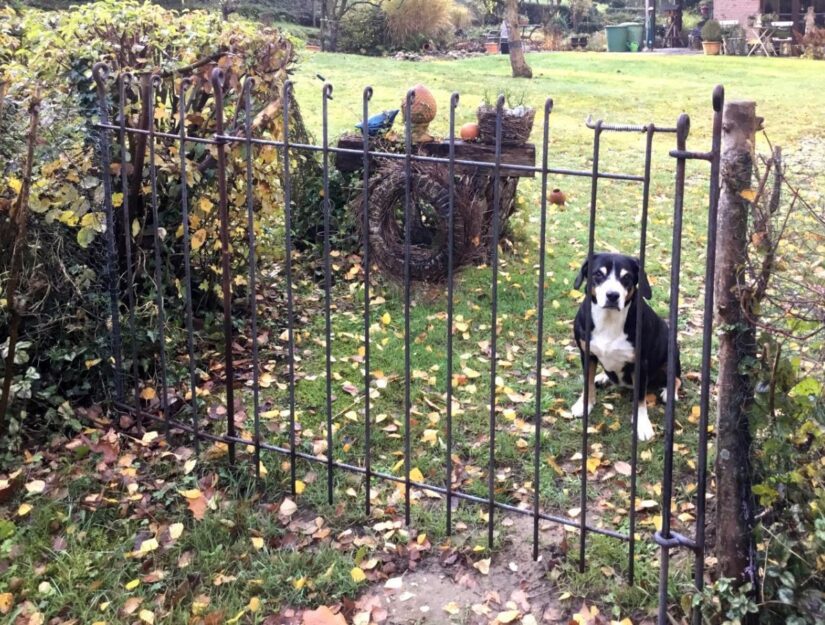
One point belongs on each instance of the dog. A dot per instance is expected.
(612, 299)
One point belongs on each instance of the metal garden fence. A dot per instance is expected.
(113, 138)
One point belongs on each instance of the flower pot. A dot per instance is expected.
(711, 47)
(491, 47)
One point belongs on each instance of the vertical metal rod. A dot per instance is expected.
(249, 83)
(637, 367)
(101, 75)
(491, 470)
(326, 95)
(125, 80)
(218, 77)
(683, 128)
(187, 261)
(450, 305)
(407, 244)
(290, 313)
(365, 233)
(591, 236)
(545, 148)
(154, 83)
(707, 343)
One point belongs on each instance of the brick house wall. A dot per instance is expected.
(735, 9)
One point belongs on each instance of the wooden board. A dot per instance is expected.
(521, 155)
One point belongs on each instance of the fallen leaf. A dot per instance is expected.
(394, 583)
(132, 585)
(483, 566)
(288, 507)
(258, 542)
(175, 530)
(131, 604)
(451, 608)
(323, 616)
(6, 601)
(358, 574)
(254, 604)
(36, 487)
(147, 617)
(622, 467)
(24, 509)
(507, 617)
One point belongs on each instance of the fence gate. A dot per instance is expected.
(183, 412)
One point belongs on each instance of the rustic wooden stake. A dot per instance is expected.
(18, 220)
(737, 342)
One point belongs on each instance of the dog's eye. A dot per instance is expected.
(598, 277)
(626, 280)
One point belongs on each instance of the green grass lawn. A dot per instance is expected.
(618, 88)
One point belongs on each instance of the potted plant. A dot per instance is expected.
(712, 37)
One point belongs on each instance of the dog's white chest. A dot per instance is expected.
(608, 342)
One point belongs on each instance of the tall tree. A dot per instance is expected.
(519, 65)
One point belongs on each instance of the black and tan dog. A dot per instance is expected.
(612, 332)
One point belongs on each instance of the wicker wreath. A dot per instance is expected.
(429, 227)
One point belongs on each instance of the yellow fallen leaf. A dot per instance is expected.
(416, 475)
(147, 546)
(24, 509)
(198, 239)
(254, 604)
(236, 618)
(299, 583)
(147, 616)
(132, 585)
(258, 542)
(192, 493)
(593, 464)
(451, 608)
(91, 363)
(357, 574)
(149, 437)
(148, 393)
(175, 530)
(386, 319)
(299, 487)
(483, 566)
(507, 617)
(6, 601)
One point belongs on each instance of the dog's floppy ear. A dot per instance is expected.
(644, 285)
(582, 276)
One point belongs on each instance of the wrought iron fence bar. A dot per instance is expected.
(673, 320)
(458, 494)
(558, 171)
(365, 233)
(187, 262)
(290, 312)
(154, 82)
(548, 108)
(123, 80)
(629, 127)
(252, 261)
(591, 237)
(101, 75)
(688, 155)
(218, 76)
(408, 113)
(491, 470)
(637, 366)
(707, 342)
(326, 93)
(450, 306)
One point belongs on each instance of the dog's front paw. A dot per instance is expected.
(644, 428)
(578, 408)
(603, 380)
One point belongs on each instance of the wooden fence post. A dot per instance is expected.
(735, 549)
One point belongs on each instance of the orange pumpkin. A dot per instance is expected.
(469, 132)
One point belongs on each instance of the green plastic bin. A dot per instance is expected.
(616, 38)
(635, 34)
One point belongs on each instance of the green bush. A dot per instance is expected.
(712, 31)
(363, 31)
(67, 322)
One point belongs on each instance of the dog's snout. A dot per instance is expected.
(612, 297)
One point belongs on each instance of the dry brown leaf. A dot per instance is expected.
(323, 616)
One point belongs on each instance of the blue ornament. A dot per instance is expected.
(380, 123)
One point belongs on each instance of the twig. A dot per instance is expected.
(19, 221)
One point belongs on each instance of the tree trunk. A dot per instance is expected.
(520, 67)
(735, 548)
